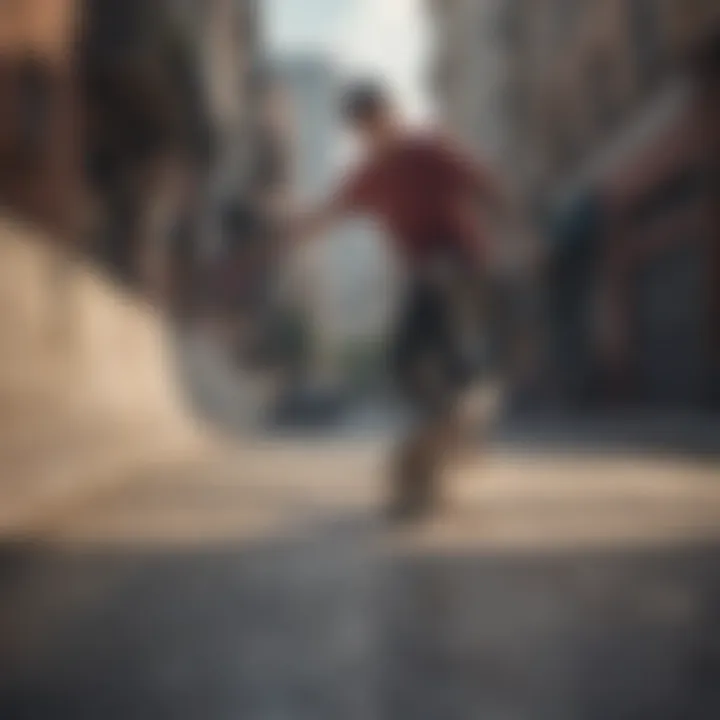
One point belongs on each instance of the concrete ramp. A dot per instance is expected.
(87, 390)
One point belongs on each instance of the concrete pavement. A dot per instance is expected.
(262, 583)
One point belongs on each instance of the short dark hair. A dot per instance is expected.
(364, 100)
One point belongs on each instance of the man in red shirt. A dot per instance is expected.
(430, 198)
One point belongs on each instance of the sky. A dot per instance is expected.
(387, 38)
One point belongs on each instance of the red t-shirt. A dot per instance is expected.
(421, 190)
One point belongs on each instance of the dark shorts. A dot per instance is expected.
(434, 353)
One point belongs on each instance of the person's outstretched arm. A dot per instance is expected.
(352, 197)
(314, 222)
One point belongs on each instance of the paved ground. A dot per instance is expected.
(261, 584)
(147, 572)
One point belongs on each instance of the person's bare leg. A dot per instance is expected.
(420, 464)
(412, 479)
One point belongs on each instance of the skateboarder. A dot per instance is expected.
(431, 198)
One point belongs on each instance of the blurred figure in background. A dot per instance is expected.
(435, 204)
(249, 270)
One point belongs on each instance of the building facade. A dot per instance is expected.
(226, 36)
(610, 114)
(622, 110)
(471, 72)
(121, 115)
(39, 168)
